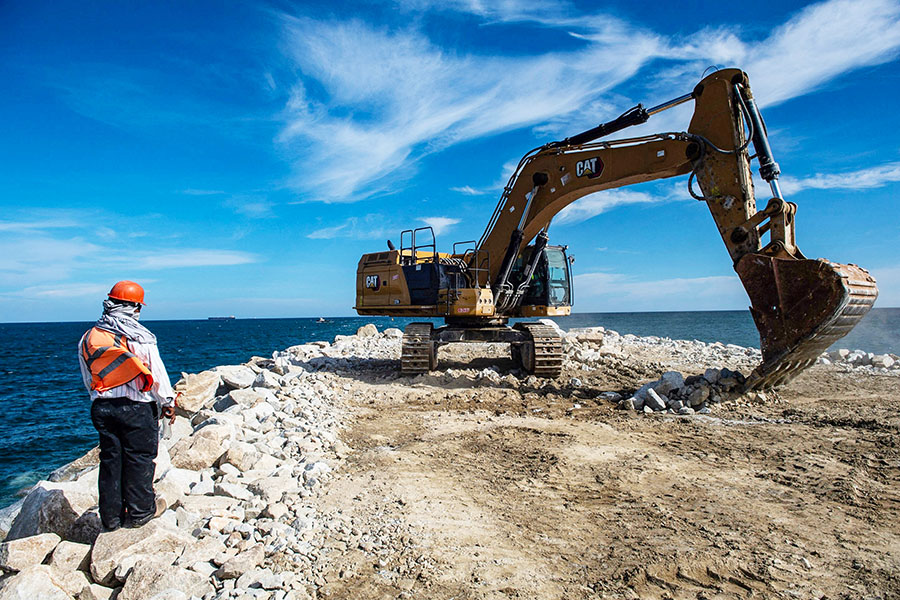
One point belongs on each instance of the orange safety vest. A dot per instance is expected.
(111, 364)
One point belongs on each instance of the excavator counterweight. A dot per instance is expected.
(800, 306)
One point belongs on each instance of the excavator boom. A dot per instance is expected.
(800, 306)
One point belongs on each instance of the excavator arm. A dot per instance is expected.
(800, 306)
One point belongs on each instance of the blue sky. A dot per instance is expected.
(238, 158)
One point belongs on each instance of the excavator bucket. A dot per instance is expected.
(801, 307)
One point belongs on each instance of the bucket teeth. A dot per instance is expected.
(801, 307)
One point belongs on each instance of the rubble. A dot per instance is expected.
(254, 444)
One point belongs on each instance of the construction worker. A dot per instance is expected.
(129, 386)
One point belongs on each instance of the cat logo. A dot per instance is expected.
(373, 282)
(590, 167)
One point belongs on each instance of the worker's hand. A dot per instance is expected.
(168, 412)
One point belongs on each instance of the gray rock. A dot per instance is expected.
(627, 404)
(54, 507)
(711, 375)
(114, 547)
(675, 405)
(654, 401)
(671, 380)
(685, 410)
(247, 397)
(17, 554)
(71, 556)
(233, 490)
(236, 376)
(152, 577)
(610, 396)
(202, 449)
(197, 391)
(35, 582)
(698, 396)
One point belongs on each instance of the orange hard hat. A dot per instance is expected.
(128, 291)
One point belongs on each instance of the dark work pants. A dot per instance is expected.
(128, 444)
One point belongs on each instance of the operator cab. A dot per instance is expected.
(551, 283)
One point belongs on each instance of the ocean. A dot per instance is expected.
(46, 410)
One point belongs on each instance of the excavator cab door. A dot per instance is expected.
(551, 283)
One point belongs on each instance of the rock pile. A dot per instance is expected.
(859, 359)
(675, 393)
(239, 471)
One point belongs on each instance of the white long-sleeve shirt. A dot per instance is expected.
(161, 391)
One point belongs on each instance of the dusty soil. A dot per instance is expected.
(494, 491)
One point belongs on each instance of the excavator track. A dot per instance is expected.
(808, 306)
(418, 353)
(543, 354)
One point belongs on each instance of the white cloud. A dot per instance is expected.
(390, 97)
(439, 224)
(367, 228)
(468, 190)
(863, 179)
(66, 290)
(196, 192)
(193, 258)
(601, 202)
(38, 258)
(382, 99)
(33, 226)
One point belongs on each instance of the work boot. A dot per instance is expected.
(160, 509)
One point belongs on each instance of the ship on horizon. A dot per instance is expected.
(228, 318)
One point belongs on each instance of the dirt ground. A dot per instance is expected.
(550, 492)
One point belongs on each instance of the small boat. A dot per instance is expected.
(321, 320)
(228, 318)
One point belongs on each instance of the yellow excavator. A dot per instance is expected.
(800, 306)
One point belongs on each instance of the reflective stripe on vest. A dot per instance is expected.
(110, 362)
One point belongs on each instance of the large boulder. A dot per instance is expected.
(71, 556)
(236, 376)
(155, 539)
(242, 455)
(250, 396)
(55, 508)
(37, 581)
(197, 391)
(671, 380)
(16, 555)
(202, 449)
(151, 577)
(368, 330)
